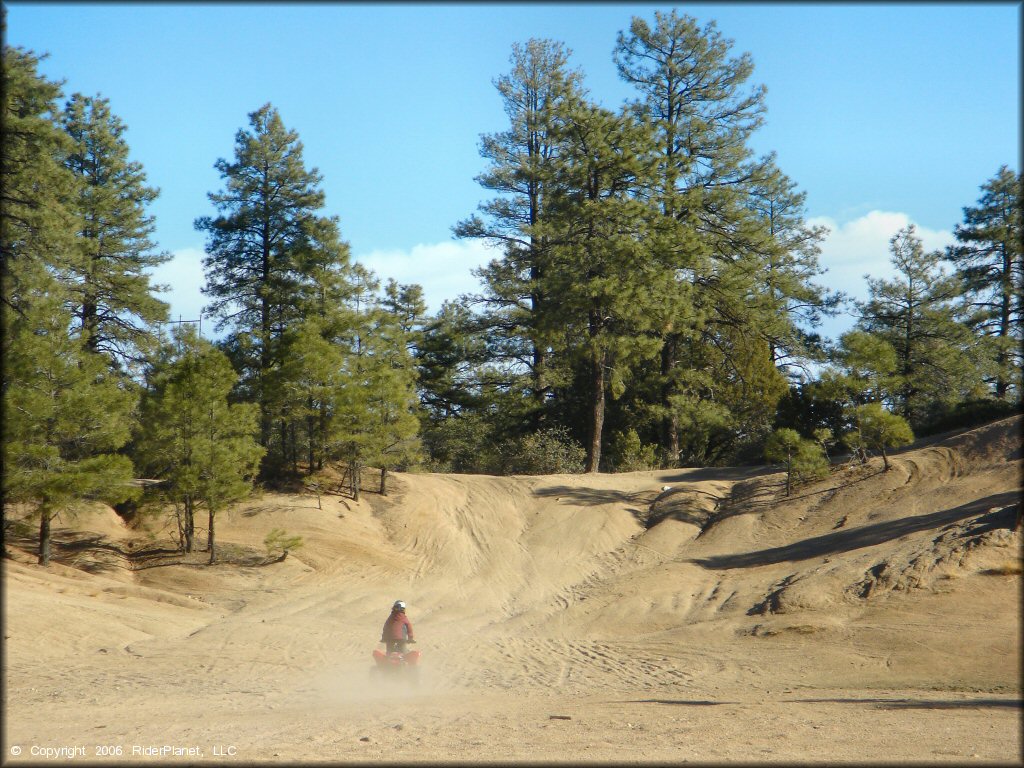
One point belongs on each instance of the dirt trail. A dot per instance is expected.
(655, 616)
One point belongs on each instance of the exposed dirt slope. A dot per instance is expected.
(685, 614)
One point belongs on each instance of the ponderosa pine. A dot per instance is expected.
(988, 258)
(108, 280)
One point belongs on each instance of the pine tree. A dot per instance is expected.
(451, 352)
(311, 376)
(600, 268)
(989, 261)
(914, 312)
(406, 304)
(192, 438)
(784, 257)
(537, 94)
(36, 228)
(875, 427)
(392, 399)
(696, 100)
(313, 350)
(112, 298)
(870, 365)
(375, 419)
(66, 415)
(463, 415)
(261, 250)
(804, 459)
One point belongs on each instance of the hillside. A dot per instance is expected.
(692, 614)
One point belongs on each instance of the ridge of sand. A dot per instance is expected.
(681, 614)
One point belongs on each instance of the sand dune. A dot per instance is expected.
(653, 616)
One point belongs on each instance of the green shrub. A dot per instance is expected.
(628, 454)
(548, 451)
(804, 459)
(877, 428)
(279, 543)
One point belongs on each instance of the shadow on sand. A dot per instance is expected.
(878, 533)
(594, 496)
(877, 703)
(677, 702)
(921, 703)
(94, 553)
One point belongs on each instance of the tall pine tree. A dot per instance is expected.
(702, 111)
(261, 249)
(989, 261)
(601, 269)
(65, 415)
(112, 298)
(915, 313)
(36, 227)
(537, 94)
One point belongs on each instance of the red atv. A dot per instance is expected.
(397, 665)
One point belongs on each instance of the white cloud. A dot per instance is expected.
(442, 269)
(861, 247)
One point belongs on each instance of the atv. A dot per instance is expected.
(396, 665)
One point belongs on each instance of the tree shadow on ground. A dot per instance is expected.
(729, 474)
(744, 500)
(870, 535)
(921, 703)
(878, 703)
(676, 702)
(593, 497)
(95, 554)
(90, 552)
(596, 496)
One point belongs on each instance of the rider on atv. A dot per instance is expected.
(397, 631)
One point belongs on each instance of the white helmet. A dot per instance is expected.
(398, 606)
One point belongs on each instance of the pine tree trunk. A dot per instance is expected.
(597, 411)
(1002, 384)
(266, 423)
(295, 447)
(90, 322)
(209, 538)
(311, 429)
(190, 525)
(670, 423)
(181, 527)
(356, 475)
(885, 459)
(536, 275)
(383, 481)
(323, 433)
(44, 535)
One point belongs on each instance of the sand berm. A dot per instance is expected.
(685, 615)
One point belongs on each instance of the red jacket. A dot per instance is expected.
(397, 627)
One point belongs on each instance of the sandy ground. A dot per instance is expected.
(685, 615)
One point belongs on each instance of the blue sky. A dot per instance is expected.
(884, 114)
